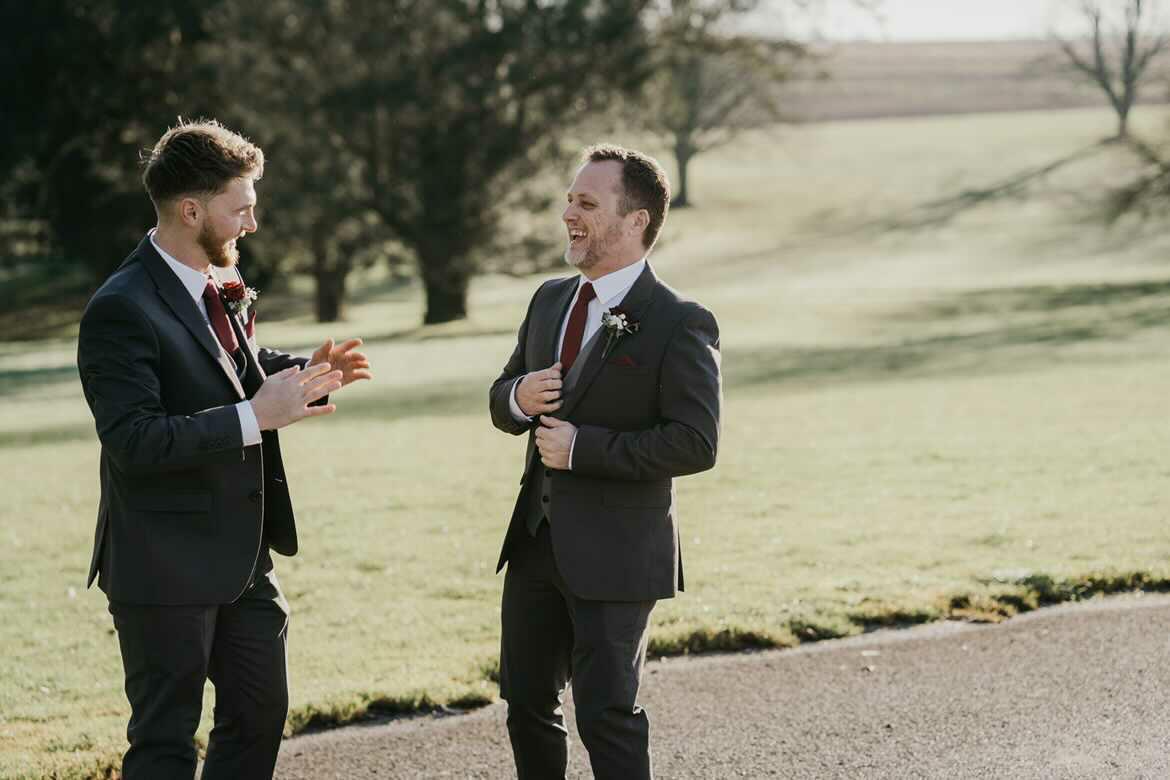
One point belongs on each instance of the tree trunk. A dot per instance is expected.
(445, 281)
(330, 294)
(1123, 124)
(682, 155)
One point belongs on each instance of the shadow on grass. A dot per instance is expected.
(1026, 321)
(58, 434)
(432, 333)
(20, 380)
(436, 399)
(1055, 298)
(41, 298)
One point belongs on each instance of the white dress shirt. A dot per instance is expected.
(610, 290)
(195, 282)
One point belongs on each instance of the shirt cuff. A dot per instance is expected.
(515, 407)
(572, 444)
(249, 427)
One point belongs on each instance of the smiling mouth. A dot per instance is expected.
(576, 236)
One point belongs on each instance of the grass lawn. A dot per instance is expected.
(961, 421)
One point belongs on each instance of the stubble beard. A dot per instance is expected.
(595, 251)
(220, 254)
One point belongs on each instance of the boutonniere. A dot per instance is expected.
(238, 297)
(617, 323)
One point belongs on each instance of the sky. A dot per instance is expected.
(934, 20)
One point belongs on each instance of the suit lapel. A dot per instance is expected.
(634, 304)
(557, 310)
(171, 290)
(238, 324)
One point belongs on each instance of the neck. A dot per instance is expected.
(182, 248)
(609, 265)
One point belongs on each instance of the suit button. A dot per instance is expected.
(544, 499)
(255, 496)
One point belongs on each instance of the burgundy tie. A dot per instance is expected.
(219, 319)
(575, 332)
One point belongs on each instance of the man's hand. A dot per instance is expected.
(540, 391)
(554, 439)
(352, 365)
(284, 397)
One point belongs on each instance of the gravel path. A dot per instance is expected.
(1076, 691)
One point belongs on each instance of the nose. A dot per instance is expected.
(567, 214)
(250, 223)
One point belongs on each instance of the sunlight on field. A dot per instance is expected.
(909, 416)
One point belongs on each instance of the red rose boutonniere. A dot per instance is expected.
(238, 297)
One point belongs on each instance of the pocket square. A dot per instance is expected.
(625, 361)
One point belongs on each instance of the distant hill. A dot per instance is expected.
(870, 80)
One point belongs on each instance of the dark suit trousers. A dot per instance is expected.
(549, 636)
(169, 652)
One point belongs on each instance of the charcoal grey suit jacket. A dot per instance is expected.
(647, 411)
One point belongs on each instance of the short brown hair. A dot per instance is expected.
(644, 185)
(198, 158)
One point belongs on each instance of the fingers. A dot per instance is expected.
(321, 386)
(544, 408)
(317, 411)
(346, 346)
(312, 371)
(322, 353)
(360, 374)
(552, 422)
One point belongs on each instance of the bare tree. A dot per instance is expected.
(1124, 38)
(712, 80)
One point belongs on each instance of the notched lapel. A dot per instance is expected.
(554, 314)
(171, 290)
(635, 303)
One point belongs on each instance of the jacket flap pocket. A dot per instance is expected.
(644, 494)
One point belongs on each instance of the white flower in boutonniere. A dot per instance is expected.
(617, 323)
(238, 297)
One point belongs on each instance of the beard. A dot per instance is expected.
(222, 254)
(596, 249)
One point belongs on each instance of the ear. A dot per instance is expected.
(190, 211)
(641, 220)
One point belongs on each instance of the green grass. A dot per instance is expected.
(962, 422)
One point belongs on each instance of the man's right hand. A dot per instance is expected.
(540, 391)
(284, 397)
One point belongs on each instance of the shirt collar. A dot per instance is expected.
(614, 284)
(193, 281)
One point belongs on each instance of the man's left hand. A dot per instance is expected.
(554, 439)
(343, 357)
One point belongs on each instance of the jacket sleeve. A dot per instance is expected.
(501, 390)
(118, 359)
(686, 438)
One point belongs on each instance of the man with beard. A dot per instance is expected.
(615, 377)
(193, 491)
